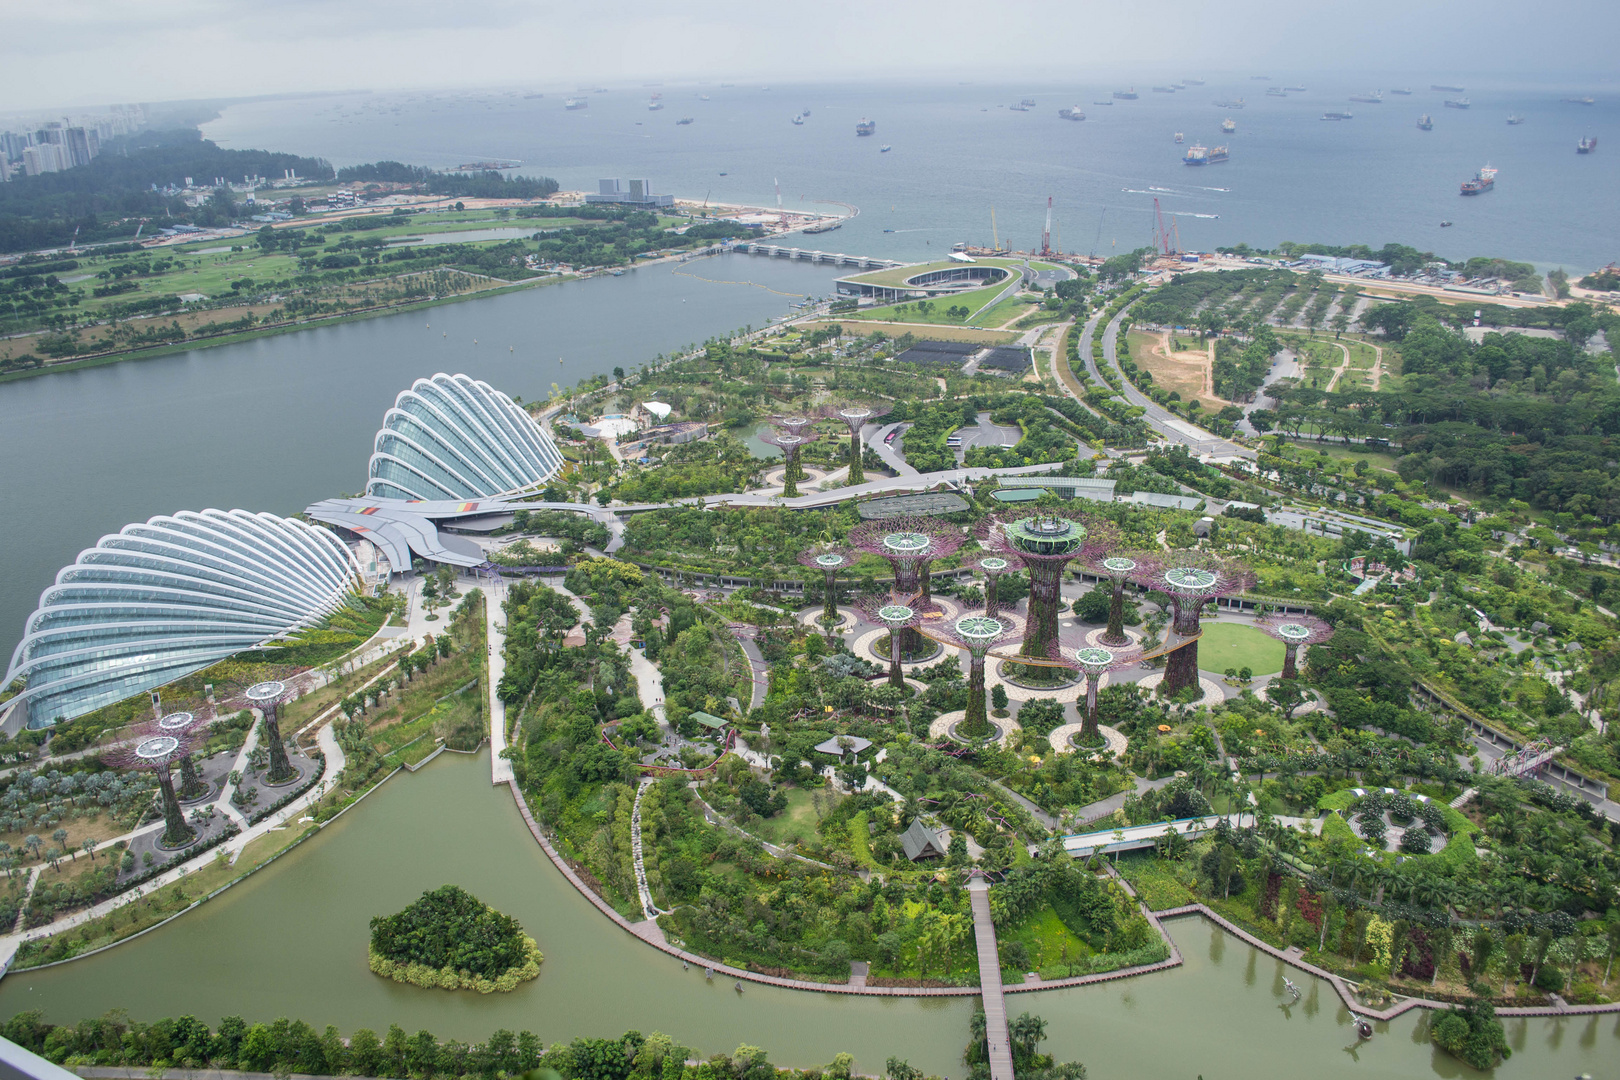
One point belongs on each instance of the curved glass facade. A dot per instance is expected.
(169, 596)
(453, 437)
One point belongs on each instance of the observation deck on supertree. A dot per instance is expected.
(898, 614)
(1294, 631)
(1044, 545)
(856, 417)
(829, 560)
(909, 545)
(1192, 579)
(1095, 661)
(975, 635)
(267, 697)
(191, 785)
(790, 445)
(1115, 568)
(155, 751)
(802, 425)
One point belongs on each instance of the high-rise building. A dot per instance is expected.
(79, 146)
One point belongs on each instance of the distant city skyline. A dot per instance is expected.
(96, 52)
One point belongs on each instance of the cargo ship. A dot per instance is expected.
(1297, 89)
(1586, 145)
(1338, 116)
(1234, 103)
(1074, 112)
(654, 105)
(1404, 93)
(683, 121)
(1425, 122)
(1229, 125)
(1028, 103)
(1276, 91)
(576, 103)
(1514, 118)
(826, 226)
(1193, 82)
(1164, 89)
(1578, 101)
(1178, 138)
(1374, 98)
(798, 119)
(1447, 89)
(1196, 155)
(1126, 95)
(1458, 103)
(1218, 155)
(866, 127)
(1483, 180)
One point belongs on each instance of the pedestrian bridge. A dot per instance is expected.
(778, 251)
(1135, 837)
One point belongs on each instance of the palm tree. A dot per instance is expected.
(34, 842)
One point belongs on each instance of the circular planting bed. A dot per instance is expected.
(879, 650)
(1014, 673)
(945, 727)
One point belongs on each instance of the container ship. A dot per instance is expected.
(1276, 91)
(1294, 89)
(1483, 180)
(1425, 122)
(1447, 89)
(1196, 155)
(1164, 89)
(1074, 112)
(1338, 116)
(1218, 155)
(1404, 93)
(1020, 107)
(1374, 98)
(1458, 103)
(1578, 101)
(1126, 95)
(866, 127)
(1028, 103)
(1234, 103)
(683, 121)
(1586, 145)
(574, 103)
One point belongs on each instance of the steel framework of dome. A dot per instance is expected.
(453, 437)
(166, 597)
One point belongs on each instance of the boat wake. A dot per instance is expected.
(1217, 189)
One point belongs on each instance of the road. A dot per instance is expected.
(1166, 424)
(987, 434)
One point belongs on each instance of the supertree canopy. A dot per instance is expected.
(1094, 661)
(267, 697)
(909, 545)
(895, 613)
(992, 567)
(1116, 569)
(1044, 545)
(1191, 579)
(790, 443)
(801, 426)
(857, 417)
(1294, 631)
(976, 635)
(829, 560)
(155, 750)
(191, 785)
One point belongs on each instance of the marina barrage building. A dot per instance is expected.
(161, 599)
(452, 449)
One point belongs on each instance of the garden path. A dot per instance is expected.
(995, 1006)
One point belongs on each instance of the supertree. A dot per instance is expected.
(267, 697)
(1294, 631)
(829, 560)
(895, 613)
(1116, 569)
(857, 417)
(790, 443)
(992, 567)
(191, 785)
(155, 750)
(909, 546)
(975, 635)
(1191, 579)
(1095, 661)
(1044, 545)
(801, 426)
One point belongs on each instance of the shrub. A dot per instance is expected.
(1416, 841)
(1473, 1033)
(452, 940)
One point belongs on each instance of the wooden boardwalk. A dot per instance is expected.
(995, 1006)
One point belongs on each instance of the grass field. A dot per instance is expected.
(796, 823)
(893, 313)
(943, 333)
(1226, 644)
(898, 275)
(1004, 312)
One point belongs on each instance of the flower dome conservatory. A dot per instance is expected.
(163, 598)
(453, 437)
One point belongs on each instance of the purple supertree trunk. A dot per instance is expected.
(857, 475)
(791, 474)
(1088, 725)
(1045, 585)
(1181, 666)
(829, 609)
(992, 602)
(191, 785)
(976, 724)
(896, 678)
(175, 829)
(1115, 634)
(1290, 662)
(280, 768)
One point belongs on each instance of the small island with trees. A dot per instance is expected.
(452, 940)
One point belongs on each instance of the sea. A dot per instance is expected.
(963, 165)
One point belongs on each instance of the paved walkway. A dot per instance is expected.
(500, 769)
(995, 1006)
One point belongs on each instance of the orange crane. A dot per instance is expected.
(1046, 233)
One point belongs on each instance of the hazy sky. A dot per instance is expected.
(85, 52)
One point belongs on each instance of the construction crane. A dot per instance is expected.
(1161, 235)
(995, 241)
(781, 215)
(1098, 238)
(1046, 233)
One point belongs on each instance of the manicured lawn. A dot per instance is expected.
(972, 300)
(1154, 882)
(1045, 939)
(796, 823)
(1008, 309)
(1228, 644)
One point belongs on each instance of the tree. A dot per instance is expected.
(998, 697)
(1514, 948)
(1479, 962)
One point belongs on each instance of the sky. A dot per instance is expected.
(91, 52)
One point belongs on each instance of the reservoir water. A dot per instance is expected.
(277, 423)
(291, 941)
